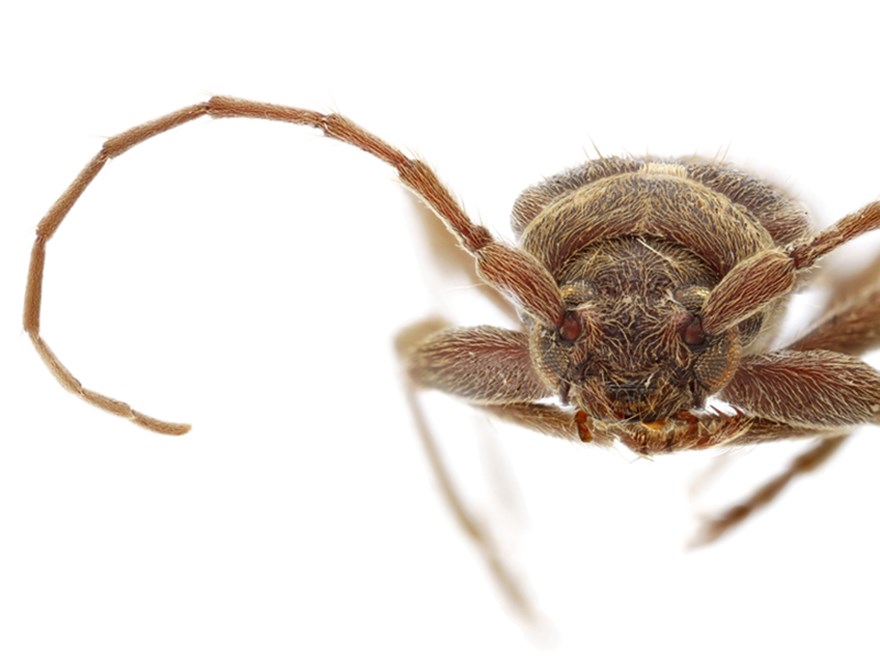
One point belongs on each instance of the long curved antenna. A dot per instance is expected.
(509, 270)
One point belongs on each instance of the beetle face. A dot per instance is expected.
(631, 347)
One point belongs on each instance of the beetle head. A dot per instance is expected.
(631, 347)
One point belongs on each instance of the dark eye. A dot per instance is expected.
(692, 331)
(570, 329)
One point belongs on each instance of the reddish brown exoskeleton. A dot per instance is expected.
(644, 286)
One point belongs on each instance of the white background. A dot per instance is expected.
(249, 278)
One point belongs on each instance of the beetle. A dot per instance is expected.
(647, 289)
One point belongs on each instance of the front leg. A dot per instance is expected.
(825, 393)
(819, 389)
(850, 324)
(481, 364)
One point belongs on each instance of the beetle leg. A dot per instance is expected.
(713, 527)
(478, 364)
(818, 388)
(482, 364)
(852, 328)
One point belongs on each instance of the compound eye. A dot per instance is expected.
(692, 332)
(570, 329)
